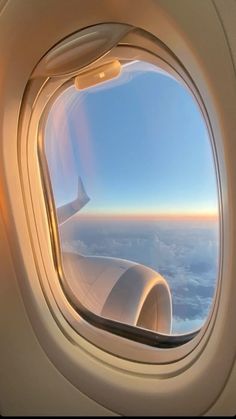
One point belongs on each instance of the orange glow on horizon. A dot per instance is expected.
(152, 217)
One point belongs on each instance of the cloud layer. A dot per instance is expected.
(186, 254)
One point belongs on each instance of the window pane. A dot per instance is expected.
(134, 183)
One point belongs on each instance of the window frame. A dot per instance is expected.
(154, 52)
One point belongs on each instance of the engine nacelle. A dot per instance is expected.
(119, 290)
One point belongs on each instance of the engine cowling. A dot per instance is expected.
(120, 290)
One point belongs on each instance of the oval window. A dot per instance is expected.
(134, 187)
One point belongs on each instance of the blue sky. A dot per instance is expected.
(138, 142)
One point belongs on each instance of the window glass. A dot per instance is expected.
(134, 186)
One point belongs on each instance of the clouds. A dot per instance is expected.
(186, 255)
(75, 246)
(180, 326)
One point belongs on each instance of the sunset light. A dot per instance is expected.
(133, 176)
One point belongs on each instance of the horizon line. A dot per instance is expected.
(145, 216)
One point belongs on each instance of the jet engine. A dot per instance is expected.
(120, 290)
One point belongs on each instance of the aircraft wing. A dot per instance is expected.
(68, 210)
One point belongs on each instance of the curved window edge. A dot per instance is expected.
(138, 335)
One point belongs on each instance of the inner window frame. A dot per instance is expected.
(154, 340)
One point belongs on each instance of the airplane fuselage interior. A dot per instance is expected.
(117, 207)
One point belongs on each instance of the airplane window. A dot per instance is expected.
(134, 187)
